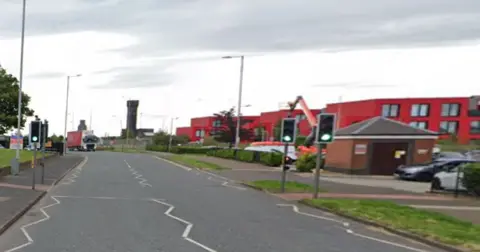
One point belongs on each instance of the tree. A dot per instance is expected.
(226, 130)
(9, 88)
(163, 138)
(56, 138)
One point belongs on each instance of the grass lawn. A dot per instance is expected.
(428, 224)
(6, 155)
(190, 161)
(290, 186)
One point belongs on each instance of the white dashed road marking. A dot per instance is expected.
(24, 227)
(188, 227)
(350, 231)
(142, 181)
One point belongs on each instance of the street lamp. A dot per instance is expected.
(237, 133)
(66, 113)
(171, 133)
(15, 167)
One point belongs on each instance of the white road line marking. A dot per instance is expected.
(24, 227)
(226, 184)
(295, 209)
(188, 228)
(350, 231)
(127, 164)
(173, 163)
(142, 181)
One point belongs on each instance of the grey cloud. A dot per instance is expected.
(47, 75)
(172, 26)
(135, 77)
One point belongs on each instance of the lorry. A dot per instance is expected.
(82, 140)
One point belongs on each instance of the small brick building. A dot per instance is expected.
(378, 146)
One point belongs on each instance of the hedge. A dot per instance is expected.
(471, 178)
(266, 158)
(178, 149)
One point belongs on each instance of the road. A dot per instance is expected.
(135, 202)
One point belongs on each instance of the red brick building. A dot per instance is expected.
(453, 115)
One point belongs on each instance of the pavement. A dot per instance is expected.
(135, 202)
(16, 191)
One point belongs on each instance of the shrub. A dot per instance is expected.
(266, 158)
(471, 178)
(159, 148)
(271, 158)
(306, 162)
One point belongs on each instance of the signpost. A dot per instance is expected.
(44, 137)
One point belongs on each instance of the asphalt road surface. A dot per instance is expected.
(136, 202)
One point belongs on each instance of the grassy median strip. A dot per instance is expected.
(191, 161)
(6, 155)
(273, 186)
(424, 223)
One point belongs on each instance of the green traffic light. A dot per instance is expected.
(287, 138)
(34, 138)
(326, 137)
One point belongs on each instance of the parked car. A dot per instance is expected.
(448, 154)
(446, 180)
(291, 152)
(426, 172)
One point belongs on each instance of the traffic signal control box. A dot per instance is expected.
(325, 128)
(289, 130)
(35, 131)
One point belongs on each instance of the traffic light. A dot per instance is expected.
(289, 130)
(35, 131)
(325, 128)
(44, 131)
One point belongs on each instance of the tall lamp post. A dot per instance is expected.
(16, 162)
(66, 113)
(240, 86)
(171, 133)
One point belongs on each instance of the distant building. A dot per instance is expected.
(132, 108)
(82, 125)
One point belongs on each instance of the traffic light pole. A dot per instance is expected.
(318, 166)
(284, 171)
(44, 129)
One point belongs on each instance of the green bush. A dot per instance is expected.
(105, 148)
(270, 159)
(159, 148)
(471, 178)
(306, 162)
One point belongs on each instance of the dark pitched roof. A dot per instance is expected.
(382, 126)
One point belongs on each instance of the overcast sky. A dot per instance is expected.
(167, 54)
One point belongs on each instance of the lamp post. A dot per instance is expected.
(66, 113)
(171, 133)
(16, 163)
(240, 86)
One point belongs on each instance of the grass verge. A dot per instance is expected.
(431, 225)
(273, 186)
(6, 155)
(190, 161)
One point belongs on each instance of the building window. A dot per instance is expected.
(217, 123)
(448, 127)
(199, 133)
(390, 110)
(420, 110)
(475, 127)
(451, 109)
(420, 125)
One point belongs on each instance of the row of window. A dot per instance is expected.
(449, 127)
(421, 110)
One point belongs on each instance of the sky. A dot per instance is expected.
(168, 54)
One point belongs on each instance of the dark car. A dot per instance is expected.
(425, 172)
(448, 154)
